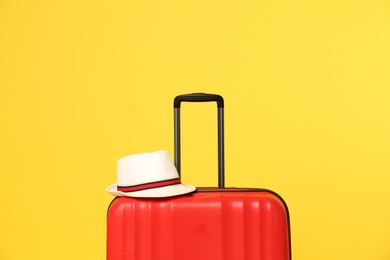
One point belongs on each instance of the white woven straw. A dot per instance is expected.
(148, 175)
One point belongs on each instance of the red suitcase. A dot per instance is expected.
(209, 224)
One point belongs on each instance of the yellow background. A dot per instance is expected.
(306, 87)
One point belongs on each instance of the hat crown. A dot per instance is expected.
(144, 168)
(148, 175)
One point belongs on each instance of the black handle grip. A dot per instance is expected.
(201, 97)
(198, 97)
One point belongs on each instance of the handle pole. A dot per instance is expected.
(177, 138)
(201, 97)
(221, 149)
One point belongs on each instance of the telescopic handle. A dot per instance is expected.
(201, 97)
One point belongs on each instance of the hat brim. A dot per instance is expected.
(160, 192)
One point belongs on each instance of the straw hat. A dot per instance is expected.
(148, 175)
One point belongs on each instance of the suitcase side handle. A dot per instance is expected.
(201, 97)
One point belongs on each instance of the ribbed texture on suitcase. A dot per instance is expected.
(205, 225)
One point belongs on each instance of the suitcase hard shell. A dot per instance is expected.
(209, 224)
